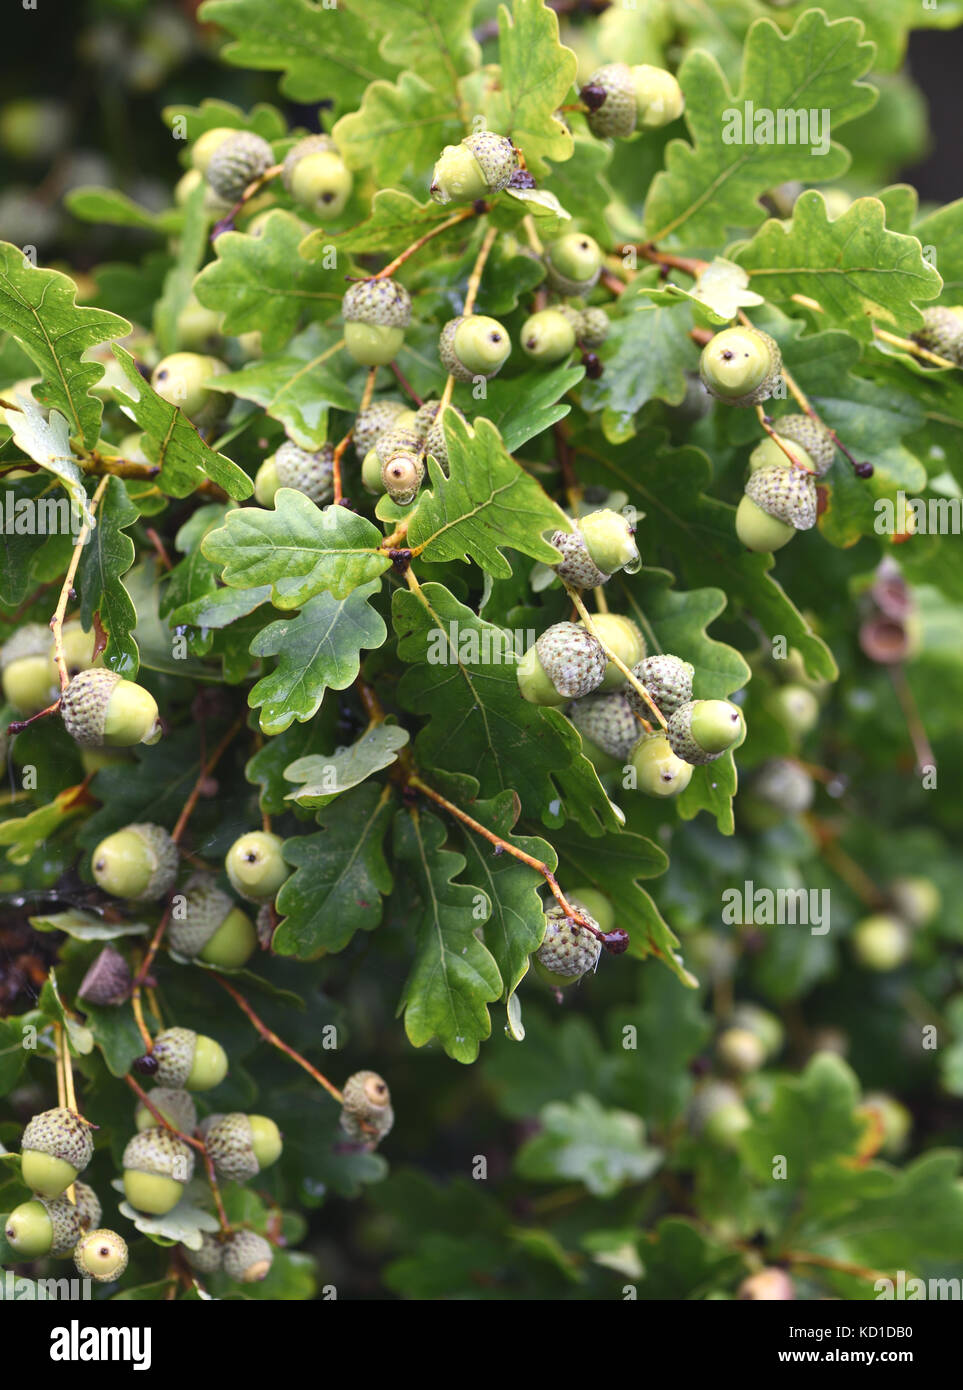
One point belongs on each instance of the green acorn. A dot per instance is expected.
(739, 1050)
(55, 1147)
(256, 867)
(101, 1255)
(576, 566)
(236, 162)
(547, 336)
(890, 1122)
(473, 345)
(567, 951)
(27, 670)
(796, 708)
(316, 176)
(574, 262)
(376, 314)
(99, 708)
(209, 1258)
(758, 531)
(564, 664)
(176, 1106)
(139, 863)
(204, 147)
(197, 328)
(622, 637)
(366, 1114)
(788, 494)
(659, 772)
(784, 785)
(917, 900)
(942, 332)
(602, 543)
(882, 942)
(479, 167)
(702, 730)
(811, 436)
(292, 466)
(183, 379)
(211, 927)
(401, 455)
(611, 97)
(592, 327)
(768, 453)
(607, 722)
(717, 1113)
(157, 1166)
(667, 678)
(374, 420)
(241, 1145)
(741, 366)
(44, 1226)
(188, 1059)
(247, 1257)
(764, 1024)
(658, 96)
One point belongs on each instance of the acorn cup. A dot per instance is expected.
(376, 314)
(241, 1146)
(247, 1257)
(157, 1166)
(479, 167)
(211, 927)
(564, 664)
(568, 951)
(366, 1114)
(55, 1147)
(188, 1059)
(176, 1106)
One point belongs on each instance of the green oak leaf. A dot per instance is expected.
(21, 836)
(47, 441)
(463, 678)
(86, 926)
(943, 230)
(486, 502)
(319, 649)
(110, 208)
(340, 876)
(716, 181)
(400, 129)
(854, 267)
(261, 283)
(324, 777)
(172, 442)
(219, 608)
(188, 122)
(526, 405)
(453, 977)
(582, 1141)
(396, 219)
(810, 1120)
(297, 548)
(646, 356)
(298, 386)
(323, 51)
(537, 73)
(432, 38)
(37, 307)
(106, 558)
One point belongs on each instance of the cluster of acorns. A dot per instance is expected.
(568, 665)
(56, 1147)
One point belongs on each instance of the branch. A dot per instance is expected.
(57, 621)
(409, 251)
(270, 1036)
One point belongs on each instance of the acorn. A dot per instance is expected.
(237, 161)
(667, 678)
(27, 671)
(574, 262)
(99, 707)
(55, 1147)
(156, 1165)
(741, 366)
(702, 730)
(241, 1146)
(564, 664)
(479, 167)
(291, 466)
(88, 1206)
(621, 636)
(188, 1059)
(176, 1106)
(256, 867)
(659, 772)
(209, 1258)
(607, 722)
(108, 980)
(568, 951)
(101, 1255)
(473, 345)
(316, 176)
(183, 379)
(210, 926)
(247, 1257)
(372, 422)
(376, 314)
(139, 863)
(43, 1226)
(366, 1101)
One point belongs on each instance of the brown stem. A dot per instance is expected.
(914, 722)
(908, 345)
(160, 548)
(405, 385)
(508, 848)
(101, 464)
(690, 265)
(409, 251)
(632, 679)
(342, 444)
(19, 725)
(803, 1257)
(57, 621)
(270, 1036)
(253, 188)
(766, 423)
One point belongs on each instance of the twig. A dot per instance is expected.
(633, 680)
(914, 723)
(405, 385)
(915, 349)
(478, 269)
(803, 1257)
(57, 621)
(409, 251)
(270, 1036)
(343, 443)
(197, 1144)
